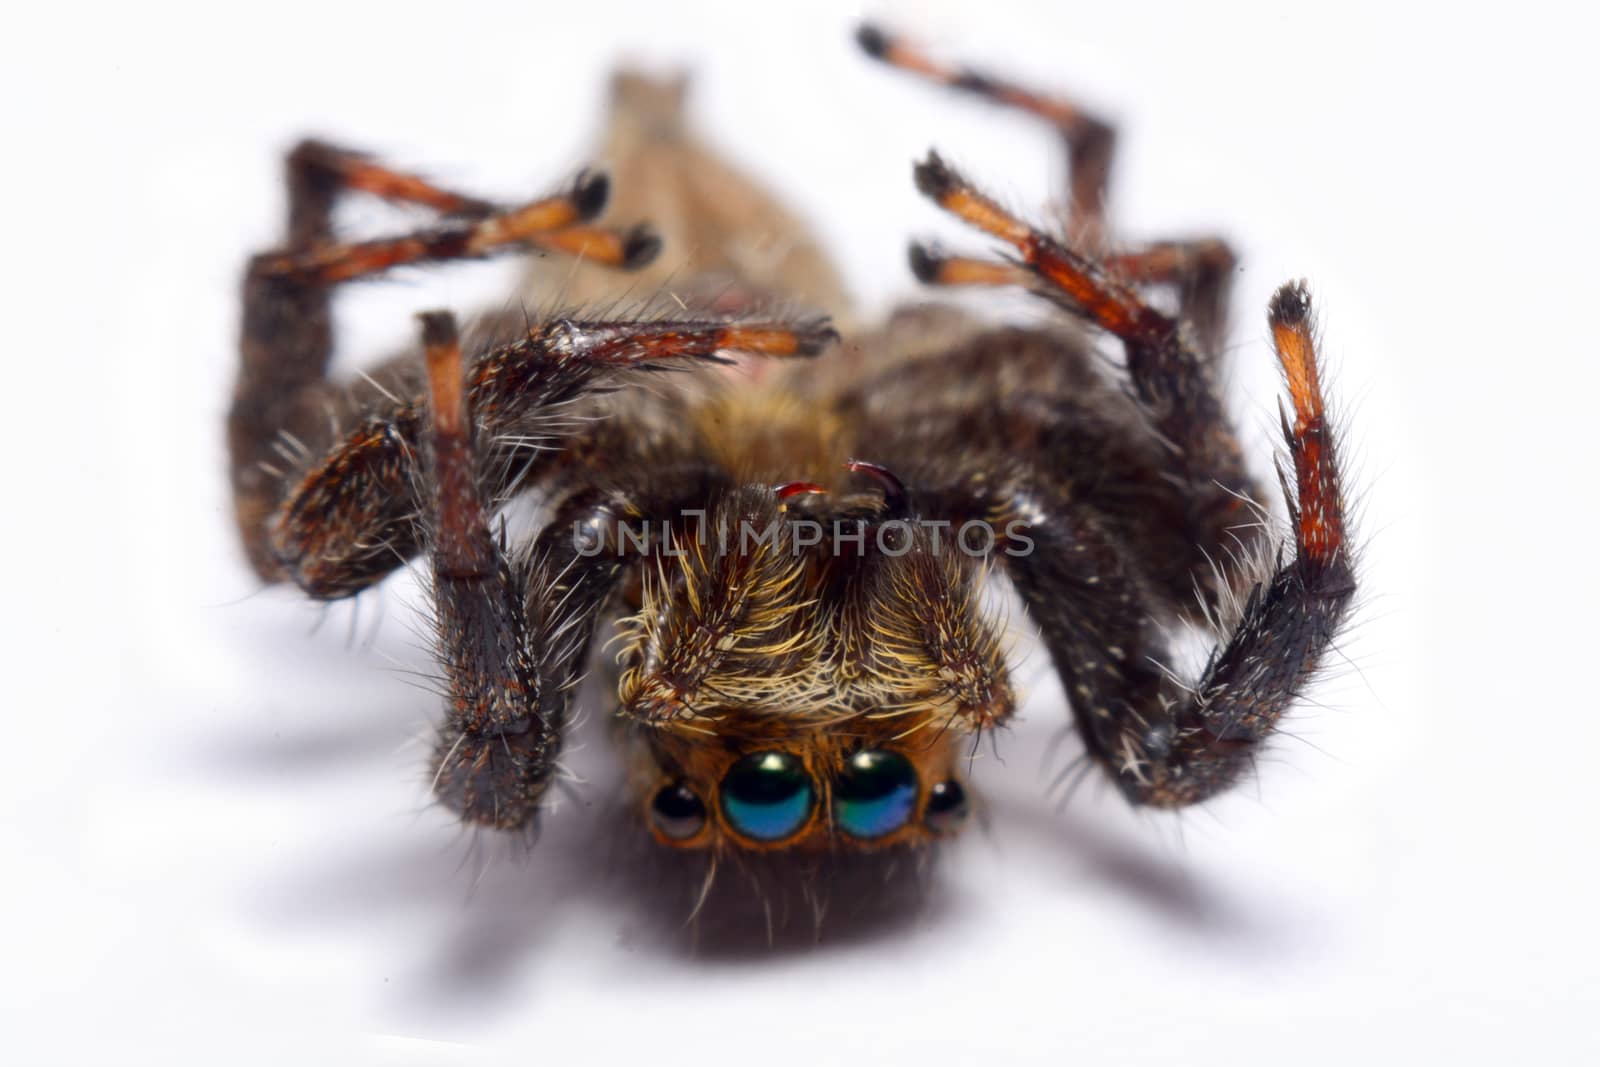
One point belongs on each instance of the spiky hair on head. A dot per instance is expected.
(727, 619)
(913, 638)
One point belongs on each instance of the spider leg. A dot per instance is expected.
(1199, 268)
(349, 518)
(1090, 141)
(504, 671)
(1182, 262)
(1172, 380)
(318, 171)
(552, 223)
(513, 627)
(281, 397)
(496, 749)
(1168, 743)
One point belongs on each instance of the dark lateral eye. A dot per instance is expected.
(677, 811)
(875, 794)
(767, 796)
(947, 806)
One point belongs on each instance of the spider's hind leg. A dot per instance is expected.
(1090, 141)
(1172, 379)
(1200, 269)
(282, 402)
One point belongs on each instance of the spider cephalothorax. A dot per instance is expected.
(786, 562)
(780, 649)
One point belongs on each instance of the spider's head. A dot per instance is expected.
(785, 695)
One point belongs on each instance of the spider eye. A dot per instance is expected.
(875, 794)
(677, 811)
(767, 796)
(947, 806)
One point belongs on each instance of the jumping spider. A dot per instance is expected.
(789, 561)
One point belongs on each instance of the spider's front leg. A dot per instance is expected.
(511, 627)
(498, 745)
(350, 518)
(1167, 743)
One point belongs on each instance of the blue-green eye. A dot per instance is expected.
(767, 796)
(875, 794)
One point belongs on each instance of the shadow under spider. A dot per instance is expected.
(487, 915)
(752, 906)
(481, 916)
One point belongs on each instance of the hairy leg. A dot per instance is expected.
(282, 404)
(510, 627)
(1090, 141)
(1172, 380)
(1199, 268)
(1035, 407)
(349, 518)
(513, 626)
(1167, 742)
(497, 746)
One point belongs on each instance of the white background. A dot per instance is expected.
(216, 836)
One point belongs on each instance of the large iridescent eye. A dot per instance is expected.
(767, 796)
(677, 811)
(875, 794)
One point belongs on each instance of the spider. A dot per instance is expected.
(787, 561)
